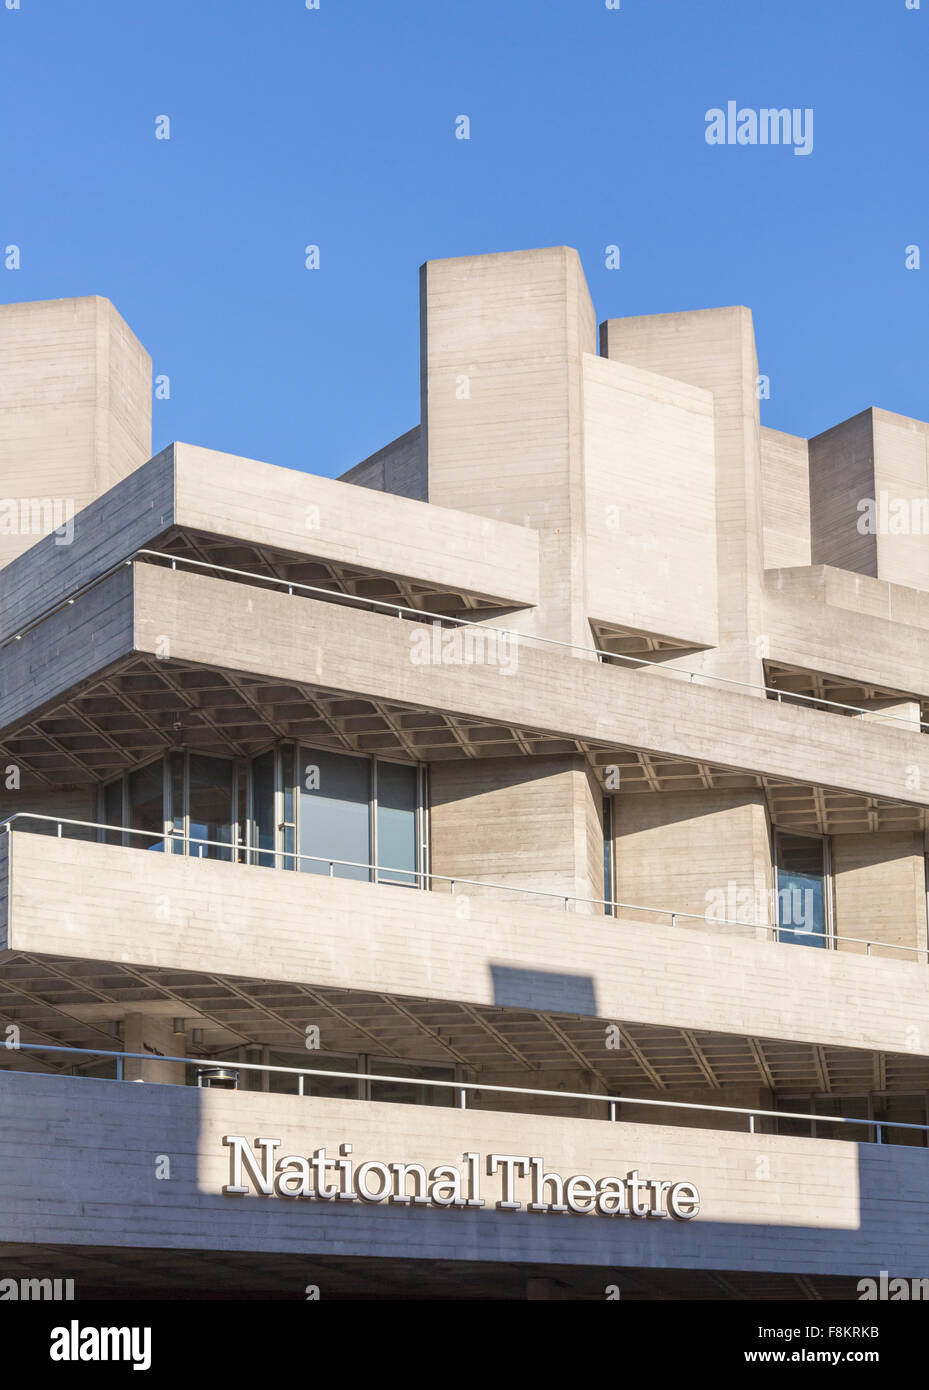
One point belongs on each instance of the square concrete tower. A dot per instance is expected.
(869, 497)
(715, 349)
(75, 413)
(502, 406)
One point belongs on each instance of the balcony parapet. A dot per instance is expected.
(68, 898)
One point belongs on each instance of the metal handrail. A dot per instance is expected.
(404, 875)
(462, 1087)
(401, 610)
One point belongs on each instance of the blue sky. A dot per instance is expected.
(336, 127)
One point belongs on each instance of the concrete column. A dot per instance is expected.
(715, 349)
(142, 1032)
(880, 890)
(522, 823)
(502, 408)
(695, 852)
(75, 413)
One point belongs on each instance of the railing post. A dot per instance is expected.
(59, 830)
(868, 952)
(566, 901)
(119, 1068)
(612, 1110)
(462, 1099)
(880, 1131)
(331, 868)
(751, 1124)
(674, 919)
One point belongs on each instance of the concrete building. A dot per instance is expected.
(579, 735)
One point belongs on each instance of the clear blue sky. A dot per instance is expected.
(336, 126)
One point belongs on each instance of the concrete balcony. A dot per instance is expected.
(243, 665)
(90, 1163)
(91, 932)
(256, 516)
(863, 630)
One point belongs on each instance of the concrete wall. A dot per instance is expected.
(503, 407)
(695, 851)
(785, 477)
(841, 474)
(533, 823)
(901, 469)
(75, 407)
(400, 468)
(650, 474)
(78, 1167)
(880, 888)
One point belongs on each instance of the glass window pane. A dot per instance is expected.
(335, 813)
(263, 808)
(408, 1092)
(607, 856)
(851, 1108)
(210, 809)
(795, 1128)
(396, 823)
(905, 1109)
(177, 799)
(146, 805)
(288, 802)
(801, 890)
(336, 1087)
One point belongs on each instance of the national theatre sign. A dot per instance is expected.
(522, 1180)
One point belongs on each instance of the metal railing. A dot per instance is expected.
(400, 610)
(461, 1088)
(239, 852)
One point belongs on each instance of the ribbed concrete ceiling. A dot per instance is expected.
(70, 1002)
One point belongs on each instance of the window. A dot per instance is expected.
(408, 1092)
(146, 806)
(609, 891)
(360, 811)
(396, 800)
(263, 818)
(321, 811)
(804, 890)
(335, 814)
(210, 815)
(892, 1109)
(190, 794)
